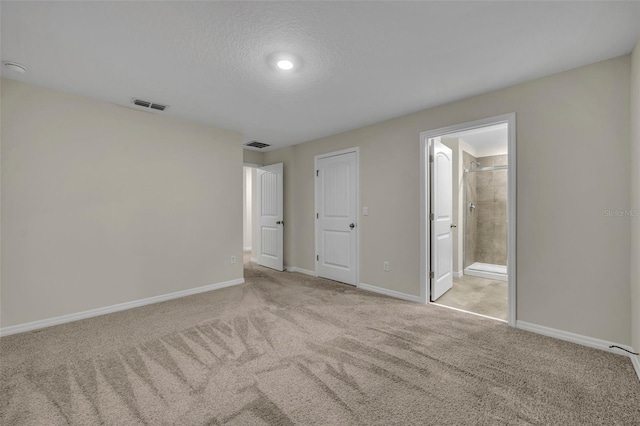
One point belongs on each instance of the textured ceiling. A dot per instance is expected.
(360, 62)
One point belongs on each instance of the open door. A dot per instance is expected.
(441, 218)
(270, 216)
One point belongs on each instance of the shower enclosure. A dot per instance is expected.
(485, 218)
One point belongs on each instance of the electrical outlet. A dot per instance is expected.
(233, 259)
(385, 266)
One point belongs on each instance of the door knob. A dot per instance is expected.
(280, 222)
(352, 225)
(454, 226)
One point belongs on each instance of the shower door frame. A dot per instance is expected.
(464, 204)
(425, 208)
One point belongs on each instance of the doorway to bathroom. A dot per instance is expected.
(468, 217)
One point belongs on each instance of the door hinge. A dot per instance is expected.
(430, 158)
(430, 216)
(317, 215)
(431, 274)
(317, 172)
(317, 257)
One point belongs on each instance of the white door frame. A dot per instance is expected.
(425, 207)
(356, 150)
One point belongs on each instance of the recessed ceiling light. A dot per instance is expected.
(15, 67)
(284, 64)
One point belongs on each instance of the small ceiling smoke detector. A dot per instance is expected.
(256, 144)
(15, 67)
(285, 64)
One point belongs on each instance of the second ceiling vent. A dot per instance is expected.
(256, 144)
(148, 104)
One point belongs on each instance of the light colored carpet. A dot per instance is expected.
(479, 295)
(287, 349)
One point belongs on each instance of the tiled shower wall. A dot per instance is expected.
(470, 217)
(486, 231)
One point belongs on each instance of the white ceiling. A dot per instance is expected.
(361, 62)
(484, 141)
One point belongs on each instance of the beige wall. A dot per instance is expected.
(573, 262)
(103, 204)
(635, 197)
(252, 157)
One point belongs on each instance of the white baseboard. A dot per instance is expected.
(392, 293)
(485, 274)
(581, 340)
(458, 274)
(635, 360)
(300, 270)
(247, 248)
(21, 328)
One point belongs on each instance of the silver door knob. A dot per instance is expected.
(352, 225)
(280, 222)
(454, 226)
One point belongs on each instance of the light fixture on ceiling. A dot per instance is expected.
(15, 67)
(284, 64)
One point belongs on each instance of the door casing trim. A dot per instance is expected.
(425, 255)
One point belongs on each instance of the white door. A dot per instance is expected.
(336, 217)
(441, 218)
(270, 220)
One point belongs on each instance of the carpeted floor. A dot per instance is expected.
(285, 349)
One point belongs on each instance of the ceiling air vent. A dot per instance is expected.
(256, 144)
(148, 104)
(142, 103)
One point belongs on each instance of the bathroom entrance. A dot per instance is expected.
(472, 267)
